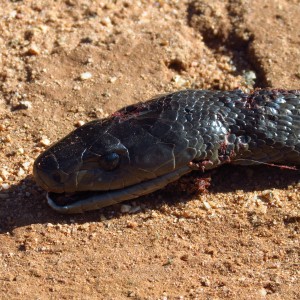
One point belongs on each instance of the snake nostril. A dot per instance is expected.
(59, 176)
(47, 162)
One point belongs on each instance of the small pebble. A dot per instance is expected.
(206, 205)
(179, 81)
(267, 195)
(13, 14)
(205, 281)
(164, 42)
(44, 28)
(112, 79)
(21, 172)
(132, 224)
(4, 174)
(154, 214)
(5, 186)
(79, 123)
(102, 218)
(33, 50)
(106, 21)
(20, 151)
(26, 165)
(89, 60)
(45, 142)
(250, 77)
(125, 208)
(106, 94)
(263, 292)
(76, 88)
(85, 76)
(24, 104)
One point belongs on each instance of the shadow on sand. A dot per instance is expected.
(25, 204)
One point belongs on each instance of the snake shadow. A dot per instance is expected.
(24, 204)
(228, 179)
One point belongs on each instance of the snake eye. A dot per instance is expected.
(109, 161)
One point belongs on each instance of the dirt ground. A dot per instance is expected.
(63, 63)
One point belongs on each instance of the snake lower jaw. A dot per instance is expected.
(71, 203)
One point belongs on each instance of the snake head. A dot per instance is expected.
(84, 160)
(136, 151)
(105, 155)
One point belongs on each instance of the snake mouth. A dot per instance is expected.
(80, 202)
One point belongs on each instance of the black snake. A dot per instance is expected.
(143, 147)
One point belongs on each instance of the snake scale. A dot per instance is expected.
(143, 147)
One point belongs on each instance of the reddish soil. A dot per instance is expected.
(238, 241)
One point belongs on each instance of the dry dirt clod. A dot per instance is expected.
(79, 123)
(33, 50)
(85, 76)
(44, 142)
(125, 208)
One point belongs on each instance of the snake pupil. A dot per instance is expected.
(109, 161)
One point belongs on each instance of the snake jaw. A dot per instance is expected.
(97, 200)
(44, 178)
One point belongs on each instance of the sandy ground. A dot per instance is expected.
(238, 241)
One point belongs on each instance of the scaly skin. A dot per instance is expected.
(143, 147)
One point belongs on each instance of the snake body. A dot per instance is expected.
(143, 147)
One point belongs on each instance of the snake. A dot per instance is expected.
(145, 146)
